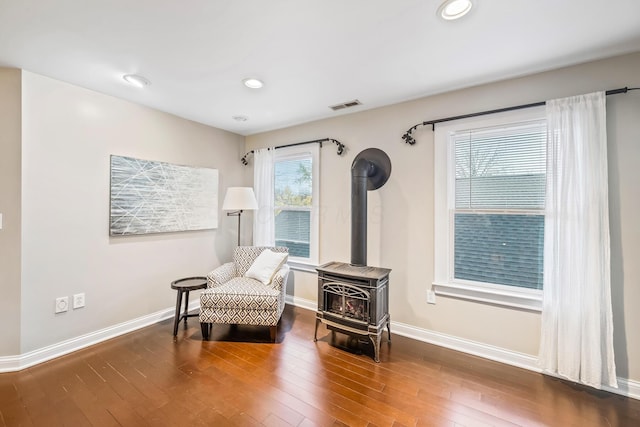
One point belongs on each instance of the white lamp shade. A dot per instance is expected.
(239, 199)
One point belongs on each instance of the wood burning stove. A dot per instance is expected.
(354, 298)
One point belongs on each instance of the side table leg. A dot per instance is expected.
(186, 306)
(176, 320)
(315, 334)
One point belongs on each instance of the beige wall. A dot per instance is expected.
(10, 93)
(68, 135)
(401, 213)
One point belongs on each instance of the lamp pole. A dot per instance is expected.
(239, 215)
(237, 200)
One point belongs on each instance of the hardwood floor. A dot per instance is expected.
(146, 378)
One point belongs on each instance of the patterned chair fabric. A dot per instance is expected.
(232, 298)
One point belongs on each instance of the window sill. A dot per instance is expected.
(305, 266)
(519, 300)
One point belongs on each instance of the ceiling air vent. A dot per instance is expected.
(345, 105)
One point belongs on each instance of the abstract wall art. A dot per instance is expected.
(156, 197)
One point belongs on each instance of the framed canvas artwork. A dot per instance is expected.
(157, 197)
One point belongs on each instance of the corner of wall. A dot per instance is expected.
(10, 207)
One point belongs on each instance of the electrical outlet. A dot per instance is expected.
(78, 300)
(62, 304)
(431, 296)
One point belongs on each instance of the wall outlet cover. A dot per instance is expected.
(62, 304)
(431, 297)
(78, 300)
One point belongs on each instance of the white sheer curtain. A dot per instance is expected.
(264, 229)
(577, 323)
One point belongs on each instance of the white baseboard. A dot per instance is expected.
(17, 363)
(301, 302)
(486, 351)
(626, 387)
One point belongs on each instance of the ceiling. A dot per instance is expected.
(310, 54)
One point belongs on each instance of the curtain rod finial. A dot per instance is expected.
(408, 139)
(340, 145)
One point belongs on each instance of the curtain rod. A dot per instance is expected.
(408, 139)
(340, 145)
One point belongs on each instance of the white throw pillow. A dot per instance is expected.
(266, 265)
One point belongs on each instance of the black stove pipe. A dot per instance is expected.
(361, 170)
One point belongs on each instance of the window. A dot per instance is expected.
(490, 200)
(296, 201)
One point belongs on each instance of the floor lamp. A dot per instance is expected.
(239, 199)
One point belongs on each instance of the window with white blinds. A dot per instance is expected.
(293, 202)
(498, 204)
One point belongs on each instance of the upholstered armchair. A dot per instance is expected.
(249, 291)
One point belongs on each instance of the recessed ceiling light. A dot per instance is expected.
(240, 118)
(253, 83)
(454, 9)
(136, 80)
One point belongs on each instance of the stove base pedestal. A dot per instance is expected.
(373, 332)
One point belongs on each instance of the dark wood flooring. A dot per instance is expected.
(146, 378)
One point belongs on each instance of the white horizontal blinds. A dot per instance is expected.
(499, 203)
(501, 168)
(293, 201)
(503, 249)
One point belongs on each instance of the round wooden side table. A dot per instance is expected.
(184, 286)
